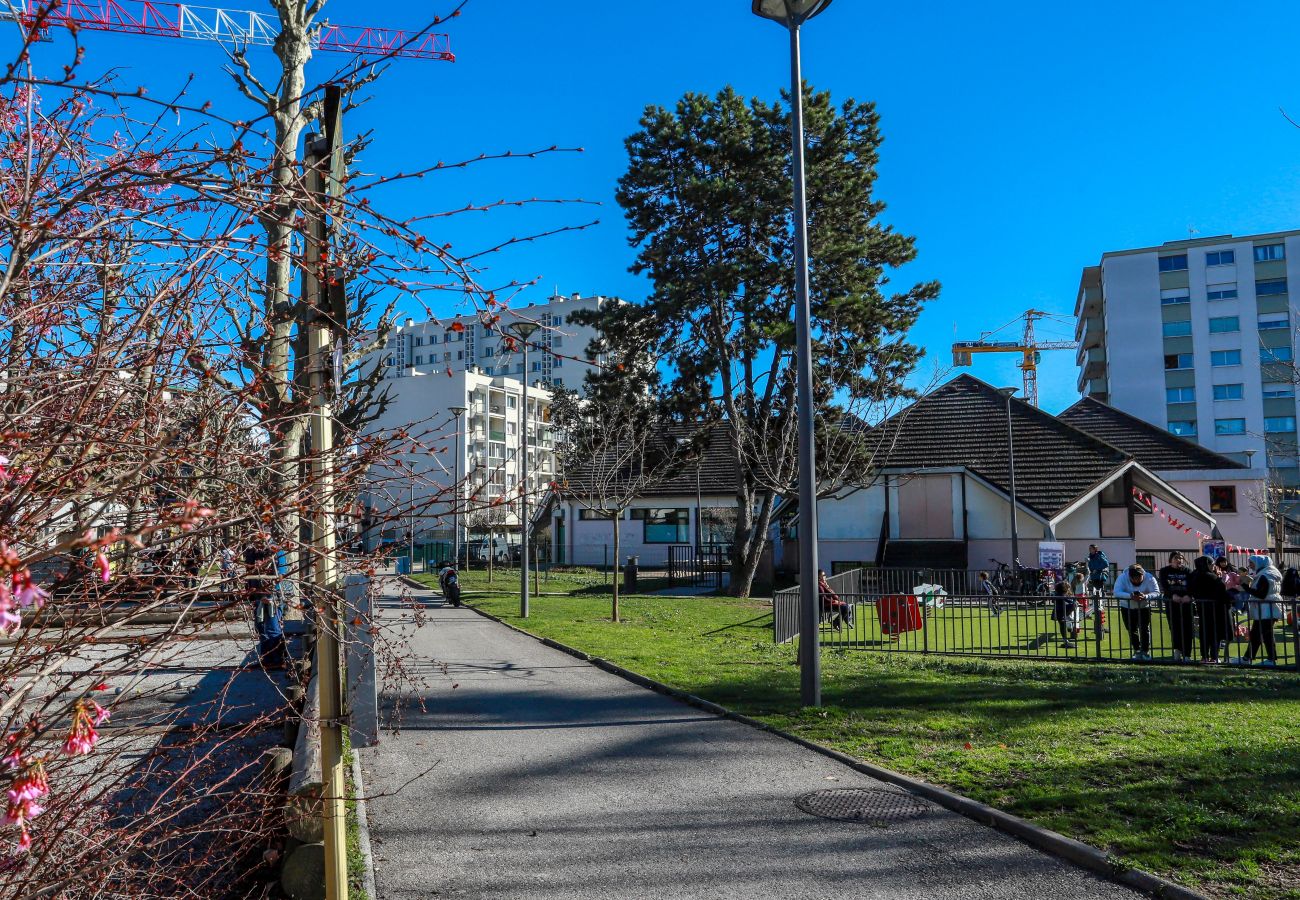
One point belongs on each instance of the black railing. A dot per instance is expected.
(1042, 628)
(706, 566)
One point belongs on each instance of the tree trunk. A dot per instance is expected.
(617, 518)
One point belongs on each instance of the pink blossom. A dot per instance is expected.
(82, 737)
(9, 619)
(101, 563)
(26, 592)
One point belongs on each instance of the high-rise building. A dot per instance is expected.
(1197, 336)
(431, 367)
(557, 350)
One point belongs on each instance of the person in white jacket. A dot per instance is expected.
(1135, 590)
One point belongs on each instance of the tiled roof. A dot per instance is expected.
(1150, 445)
(964, 423)
(716, 465)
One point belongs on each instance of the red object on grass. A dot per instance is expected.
(899, 614)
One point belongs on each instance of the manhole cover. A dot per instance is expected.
(880, 809)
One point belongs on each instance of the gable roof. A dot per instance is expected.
(716, 466)
(1150, 445)
(964, 424)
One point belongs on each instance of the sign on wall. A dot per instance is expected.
(1051, 555)
(1214, 549)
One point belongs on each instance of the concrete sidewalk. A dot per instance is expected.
(550, 778)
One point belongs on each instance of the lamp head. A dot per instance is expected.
(790, 12)
(524, 329)
(1008, 392)
(457, 411)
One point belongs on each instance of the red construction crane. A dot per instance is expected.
(231, 26)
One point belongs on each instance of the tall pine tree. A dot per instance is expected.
(707, 199)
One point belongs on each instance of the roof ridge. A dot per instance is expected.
(1154, 430)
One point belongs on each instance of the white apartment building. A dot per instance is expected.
(557, 352)
(416, 492)
(1197, 336)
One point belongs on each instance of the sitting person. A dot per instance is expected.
(835, 610)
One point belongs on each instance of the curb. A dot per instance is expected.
(363, 832)
(1077, 852)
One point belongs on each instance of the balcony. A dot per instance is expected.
(498, 436)
(1091, 332)
(1092, 362)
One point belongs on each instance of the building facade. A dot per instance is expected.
(1197, 337)
(557, 354)
(415, 491)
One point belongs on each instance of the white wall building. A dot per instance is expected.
(1196, 336)
(557, 352)
(416, 490)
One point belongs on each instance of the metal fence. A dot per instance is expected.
(1094, 628)
(705, 566)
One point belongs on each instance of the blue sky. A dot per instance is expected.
(1022, 139)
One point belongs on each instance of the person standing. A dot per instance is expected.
(990, 594)
(1214, 607)
(1064, 607)
(1134, 590)
(1263, 609)
(1178, 605)
(1098, 569)
(226, 563)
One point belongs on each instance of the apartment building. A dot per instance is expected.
(557, 352)
(1197, 336)
(414, 491)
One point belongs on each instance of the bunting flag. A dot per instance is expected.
(1148, 501)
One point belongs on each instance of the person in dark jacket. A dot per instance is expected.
(1098, 569)
(1214, 607)
(1064, 607)
(1178, 606)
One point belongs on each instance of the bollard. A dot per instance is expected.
(629, 575)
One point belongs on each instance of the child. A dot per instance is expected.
(1063, 613)
(986, 589)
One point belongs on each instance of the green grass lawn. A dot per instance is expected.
(1188, 772)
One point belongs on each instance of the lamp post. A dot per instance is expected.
(792, 14)
(1010, 392)
(525, 331)
(410, 526)
(457, 412)
(699, 502)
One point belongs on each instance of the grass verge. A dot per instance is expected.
(1190, 773)
(356, 861)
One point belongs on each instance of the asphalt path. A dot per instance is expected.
(521, 772)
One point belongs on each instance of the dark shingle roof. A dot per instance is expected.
(964, 423)
(716, 463)
(1153, 447)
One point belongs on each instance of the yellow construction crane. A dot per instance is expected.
(1029, 348)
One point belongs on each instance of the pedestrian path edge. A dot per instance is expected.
(1055, 843)
(363, 833)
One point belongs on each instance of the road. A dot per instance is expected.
(522, 772)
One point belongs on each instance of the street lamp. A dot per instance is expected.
(525, 331)
(699, 502)
(792, 14)
(457, 412)
(1010, 392)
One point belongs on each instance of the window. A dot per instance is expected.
(1229, 426)
(665, 526)
(1267, 252)
(1268, 321)
(1223, 498)
(1178, 360)
(1221, 257)
(1277, 389)
(1225, 358)
(1113, 495)
(460, 354)
(1279, 423)
(559, 361)
(1224, 324)
(557, 341)
(1228, 391)
(1181, 395)
(559, 320)
(1173, 263)
(1176, 329)
(510, 429)
(1221, 294)
(419, 361)
(1174, 298)
(587, 515)
(1270, 287)
(1184, 428)
(1274, 354)
(487, 351)
(559, 382)
(512, 400)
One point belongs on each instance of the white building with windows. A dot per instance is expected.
(415, 492)
(557, 351)
(1197, 337)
